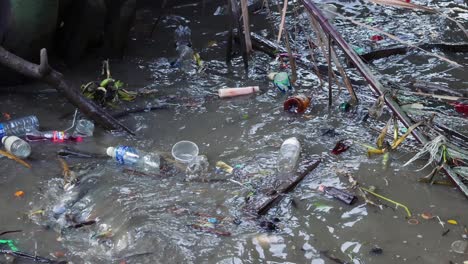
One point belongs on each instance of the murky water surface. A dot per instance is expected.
(157, 219)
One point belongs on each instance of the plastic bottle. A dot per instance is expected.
(338, 194)
(231, 92)
(16, 146)
(19, 127)
(197, 168)
(54, 136)
(288, 155)
(182, 36)
(125, 155)
(84, 128)
(297, 104)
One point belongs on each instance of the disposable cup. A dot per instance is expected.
(184, 151)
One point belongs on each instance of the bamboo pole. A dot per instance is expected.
(375, 85)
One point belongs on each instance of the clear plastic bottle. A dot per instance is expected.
(84, 128)
(288, 155)
(53, 135)
(182, 36)
(197, 168)
(16, 146)
(19, 127)
(129, 156)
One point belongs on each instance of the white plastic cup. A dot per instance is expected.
(185, 151)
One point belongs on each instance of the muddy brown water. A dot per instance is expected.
(150, 219)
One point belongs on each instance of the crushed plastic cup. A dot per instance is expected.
(84, 127)
(460, 246)
(185, 151)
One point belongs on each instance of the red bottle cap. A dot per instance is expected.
(376, 38)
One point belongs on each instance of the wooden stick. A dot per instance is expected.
(235, 12)
(383, 53)
(330, 70)
(283, 20)
(246, 23)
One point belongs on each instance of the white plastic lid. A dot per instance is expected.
(110, 151)
(3, 139)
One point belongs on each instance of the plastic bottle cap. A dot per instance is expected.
(3, 139)
(110, 151)
(291, 140)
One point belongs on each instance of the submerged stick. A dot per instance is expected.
(265, 207)
(13, 157)
(388, 200)
(383, 53)
(31, 257)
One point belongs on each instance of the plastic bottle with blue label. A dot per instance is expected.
(19, 127)
(126, 155)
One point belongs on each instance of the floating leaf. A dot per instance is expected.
(19, 194)
(452, 222)
(383, 133)
(340, 147)
(371, 151)
(118, 84)
(402, 138)
(105, 82)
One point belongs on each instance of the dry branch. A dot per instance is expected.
(55, 79)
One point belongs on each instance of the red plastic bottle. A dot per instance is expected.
(54, 136)
(297, 104)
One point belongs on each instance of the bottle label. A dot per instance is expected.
(120, 153)
(2, 131)
(58, 136)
